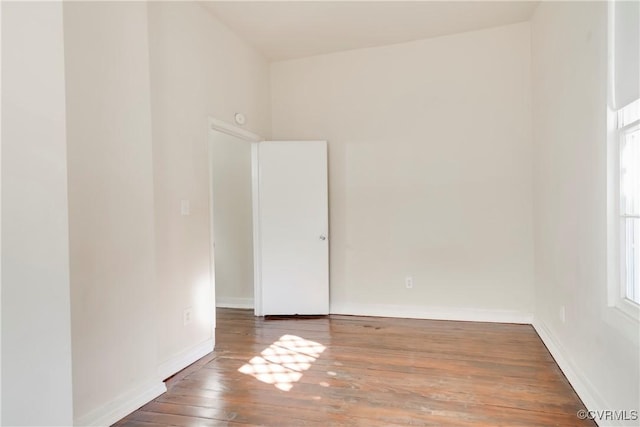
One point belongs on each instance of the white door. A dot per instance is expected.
(293, 243)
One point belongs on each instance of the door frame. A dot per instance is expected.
(220, 126)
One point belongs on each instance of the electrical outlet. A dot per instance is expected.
(408, 282)
(187, 315)
(563, 316)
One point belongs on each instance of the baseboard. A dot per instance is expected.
(585, 390)
(434, 313)
(232, 302)
(123, 405)
(184, 359)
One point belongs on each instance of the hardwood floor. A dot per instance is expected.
(366, 371)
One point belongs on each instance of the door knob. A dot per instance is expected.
(323, 237)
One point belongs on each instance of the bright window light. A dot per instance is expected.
(283, 362)
(629, 140)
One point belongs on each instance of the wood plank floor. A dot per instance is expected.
(366, 371)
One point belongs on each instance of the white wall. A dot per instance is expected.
(232, 220)
(111, 209)
(596, 346)
(36, 330)
(429, 171)
(430, 175)
(198, 69)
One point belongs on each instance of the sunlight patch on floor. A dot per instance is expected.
(284, 361)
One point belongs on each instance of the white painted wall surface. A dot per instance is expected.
(199, 68)
(111, 209)
(429, 171)
(232, 220)
(36, 329)
(569, 75)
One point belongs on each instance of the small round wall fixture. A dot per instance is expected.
(240, 119)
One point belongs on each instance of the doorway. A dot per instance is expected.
(269, 223)
(230, 168)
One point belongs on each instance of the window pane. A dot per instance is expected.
(629, 114)
(630, 173)
(630, 210)
(632, 258)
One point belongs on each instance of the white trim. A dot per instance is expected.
(613, 214)
(628, 308)
(122, 405)
(233, 302)
(257, 258)
(212, 256)
(578, 379)
(216, 125)
(616, 286)
(629, 127)
(433, 313)
(229, 129)
(184, 359)
(611, 10)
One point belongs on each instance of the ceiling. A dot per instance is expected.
(294, 29)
